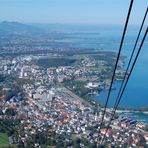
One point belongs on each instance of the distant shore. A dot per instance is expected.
(131, 111)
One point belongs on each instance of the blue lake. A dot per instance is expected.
(136, 93)
(108, 38)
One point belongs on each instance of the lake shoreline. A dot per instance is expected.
(131, 111)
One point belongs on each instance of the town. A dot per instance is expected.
(45, 101)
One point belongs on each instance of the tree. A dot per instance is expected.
(10, 112)
(76, 142)
(60, 144)
(92, 146)
(146, 128)
(142, 141)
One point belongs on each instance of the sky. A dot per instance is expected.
(71, 11)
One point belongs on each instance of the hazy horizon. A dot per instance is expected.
(70, 24)
(97, 12)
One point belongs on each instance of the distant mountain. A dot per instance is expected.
(15, 28)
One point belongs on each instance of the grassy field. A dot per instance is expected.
(4, 138)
